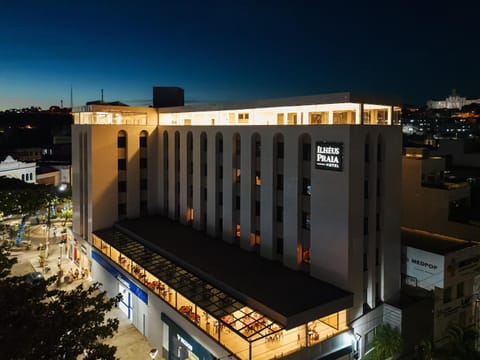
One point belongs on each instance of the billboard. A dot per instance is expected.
(329, 156)
(426, 267)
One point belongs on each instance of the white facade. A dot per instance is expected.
(249, 175)
(19, 170)
(451, 102)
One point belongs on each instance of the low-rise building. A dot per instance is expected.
(17, 169)
(433, 202)
(450, 269)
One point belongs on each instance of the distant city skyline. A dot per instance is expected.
(220, 51)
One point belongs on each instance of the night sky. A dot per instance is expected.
(235, 50)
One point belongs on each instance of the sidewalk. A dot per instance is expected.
(130, 343)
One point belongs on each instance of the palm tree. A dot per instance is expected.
(387, 343)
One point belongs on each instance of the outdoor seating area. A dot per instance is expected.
(243, 330)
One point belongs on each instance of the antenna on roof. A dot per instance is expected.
(102, 95)
(71, 97)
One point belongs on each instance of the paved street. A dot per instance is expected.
(130, 343)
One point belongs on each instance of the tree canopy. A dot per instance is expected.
(40, 321)
(20, 198)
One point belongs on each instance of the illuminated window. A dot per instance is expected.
(243, 118)
(258, 181)
(237, 230)
(306, 255)
(280, 119)
(292, 118)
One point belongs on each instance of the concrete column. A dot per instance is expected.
(183, 177)
(390, 115)
(267, 192)
(246, 190)
(171, 174)
(291, 201)
(359, 114)
(196, 184)
(212, 216)
(228, 204)
(330, 117)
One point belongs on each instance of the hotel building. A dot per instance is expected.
(260, 230)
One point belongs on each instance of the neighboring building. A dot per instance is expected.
(28, 154)
(450, 269)
(451, 102)
(48, 175)
(460, 152)
(301, 191)
(433, 202)
(19, 170)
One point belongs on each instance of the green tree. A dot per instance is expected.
(19, 198)
(461, 344)
(40, 321)
(387, 343)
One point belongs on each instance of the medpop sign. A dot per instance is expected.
(329, 156)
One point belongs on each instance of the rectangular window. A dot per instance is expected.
(377, 221)
(143, 141)
(143, 163)
(369, 340)
(243, 118)
(122, 164)
(306, 187)
(258, 180)
(121, 142)
(220, 172)
(143, 206)
(279, 213)
(447, 295)
(279, 182)
(365, 226)
(205, 194)
(257, 208)
(365, 189)
(307, 152)
(220, 146)
(220, 198)
(377, 256)
(280, 119)
(280, 150)
(122, 209)
(279, 246)
(122, 186)
(257, 149)
(237, 202)
(365, 262)
(379, 152)
(367, 149)
(292, 118)
(143, 184)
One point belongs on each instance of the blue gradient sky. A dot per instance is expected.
(233, 50)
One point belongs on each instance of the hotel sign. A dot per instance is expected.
(329, 156)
